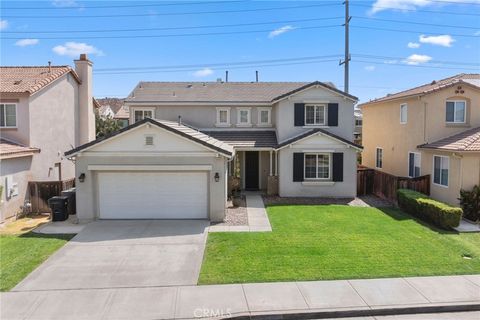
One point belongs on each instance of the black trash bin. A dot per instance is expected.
(59, 205)
(71, 206)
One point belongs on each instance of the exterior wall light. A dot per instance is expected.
(81, 178)
(217, 177)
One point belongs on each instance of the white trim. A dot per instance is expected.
(143, 109)
(223, 124)
(316, 87)
(5, 115)
(150, 168)
(419, 160)
(316, 150)
(259, 116)
(230, 104)
(219, 128)
(314, 126)
(316, 106)
(406, 113)
(316, 154)
(318, 183)
(454, 113)
(249, 117)
(376, 157)
(148, 154)
(253, 149)
(317, 133)
(433, 170)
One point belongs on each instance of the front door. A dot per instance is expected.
(251, 170)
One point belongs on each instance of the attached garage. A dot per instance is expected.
(152, 170)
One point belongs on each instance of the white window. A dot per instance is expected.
(8, 115)
(223, 117)
(440, 170)
(413, 164)
(317, 166)
(243, 117)
(315, 115)
(403, 113)
(264, 116)
(141, 114)
(379, 158)
(456, 111)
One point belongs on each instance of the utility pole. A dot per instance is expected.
(346, 61)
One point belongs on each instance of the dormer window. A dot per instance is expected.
(8, 115)
(315, 115)
(243, 117)
(456, 111)
(223, 117)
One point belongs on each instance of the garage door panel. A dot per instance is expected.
(153, 195)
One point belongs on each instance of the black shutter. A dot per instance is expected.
(337, 166)
(298, 167)
(411, 165)
(299, 114)
(332, 114)
(450, 114)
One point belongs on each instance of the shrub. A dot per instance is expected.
(425, 208)
(470, 202)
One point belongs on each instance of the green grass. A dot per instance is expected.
(21, 254)
(338, 242)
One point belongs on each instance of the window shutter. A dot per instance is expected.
(298, 167)
(299, 120)
(411, 164)
(332, 114)
(450, 115)
(337, 166)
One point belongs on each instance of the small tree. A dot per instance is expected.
(470, 202)
(105, 126)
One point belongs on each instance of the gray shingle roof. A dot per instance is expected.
(468, 140)
(246, 139)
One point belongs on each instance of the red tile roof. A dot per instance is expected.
(31, 79)
(12, 149)
(464, 141)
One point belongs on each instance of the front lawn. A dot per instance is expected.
(338, 242)
(20, 254)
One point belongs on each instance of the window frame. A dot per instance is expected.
(5, 115)
(419, 164)
(403, 121)
(316, 154)
(455, 113)
(376, 158)
(259, 115)
(223, 124)
(152, 110)
(318, 105)
(249, 117)
(448, 171)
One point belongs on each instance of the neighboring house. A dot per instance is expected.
(431, 129)
(358, 126)
(44, 111)
(114, 108)
(290, 138)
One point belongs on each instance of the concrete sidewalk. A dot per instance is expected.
(290, 299)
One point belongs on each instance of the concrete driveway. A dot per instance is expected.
(125, 253)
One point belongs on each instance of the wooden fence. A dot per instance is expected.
(384, 185)
(41, 191)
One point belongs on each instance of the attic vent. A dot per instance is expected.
(149, 140)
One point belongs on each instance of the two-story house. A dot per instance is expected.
(431, 129)
(44, 111)
(188, 139)
(114, 108)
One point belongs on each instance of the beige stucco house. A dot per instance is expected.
(431, 129)
(189, 140)
(44, 111)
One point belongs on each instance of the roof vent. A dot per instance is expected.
(189, 85)
(149, 140)
(17, 82)
(434, 82)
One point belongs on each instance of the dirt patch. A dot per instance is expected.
(235, 216)
(23, 225)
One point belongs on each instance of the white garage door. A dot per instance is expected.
(153, 195)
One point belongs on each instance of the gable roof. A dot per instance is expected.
(472, 79)
(10, 149)
(468, 140)
(171, 126)
(222, 92)
(313, 132)
(120, 111)
(31, 79)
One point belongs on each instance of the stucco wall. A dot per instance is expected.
(54, 128)
(19, 169)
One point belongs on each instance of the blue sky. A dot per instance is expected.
(426, 40)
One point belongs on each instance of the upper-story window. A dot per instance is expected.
(141, 114)
(264, 116)
(456, 111)
(403, 113)
(243, 117)
(223, 117)
(8, 115)
(315, 114)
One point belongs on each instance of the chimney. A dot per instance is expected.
(256, 76)
(226, 76)
(86, 115)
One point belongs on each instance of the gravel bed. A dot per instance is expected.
(235, 216)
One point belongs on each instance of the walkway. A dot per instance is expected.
(257, 217)
(316, 298)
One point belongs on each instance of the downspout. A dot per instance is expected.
(459, 157)
(424, 121)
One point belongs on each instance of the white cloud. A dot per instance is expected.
(416, 59)
(3, 24)
(64, 3)
(443, 40)
(413, 45)
(390, 61)
(382, 5)
(477, 33)
(203, 72)
(279, 31)
(370, 68)
(26, 42)
(74, 49)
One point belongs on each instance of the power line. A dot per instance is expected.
(369, 56)
(414, 31)
(417, 66)
(172, 13)
(418, 23)
(418, 10)
(177, 28)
